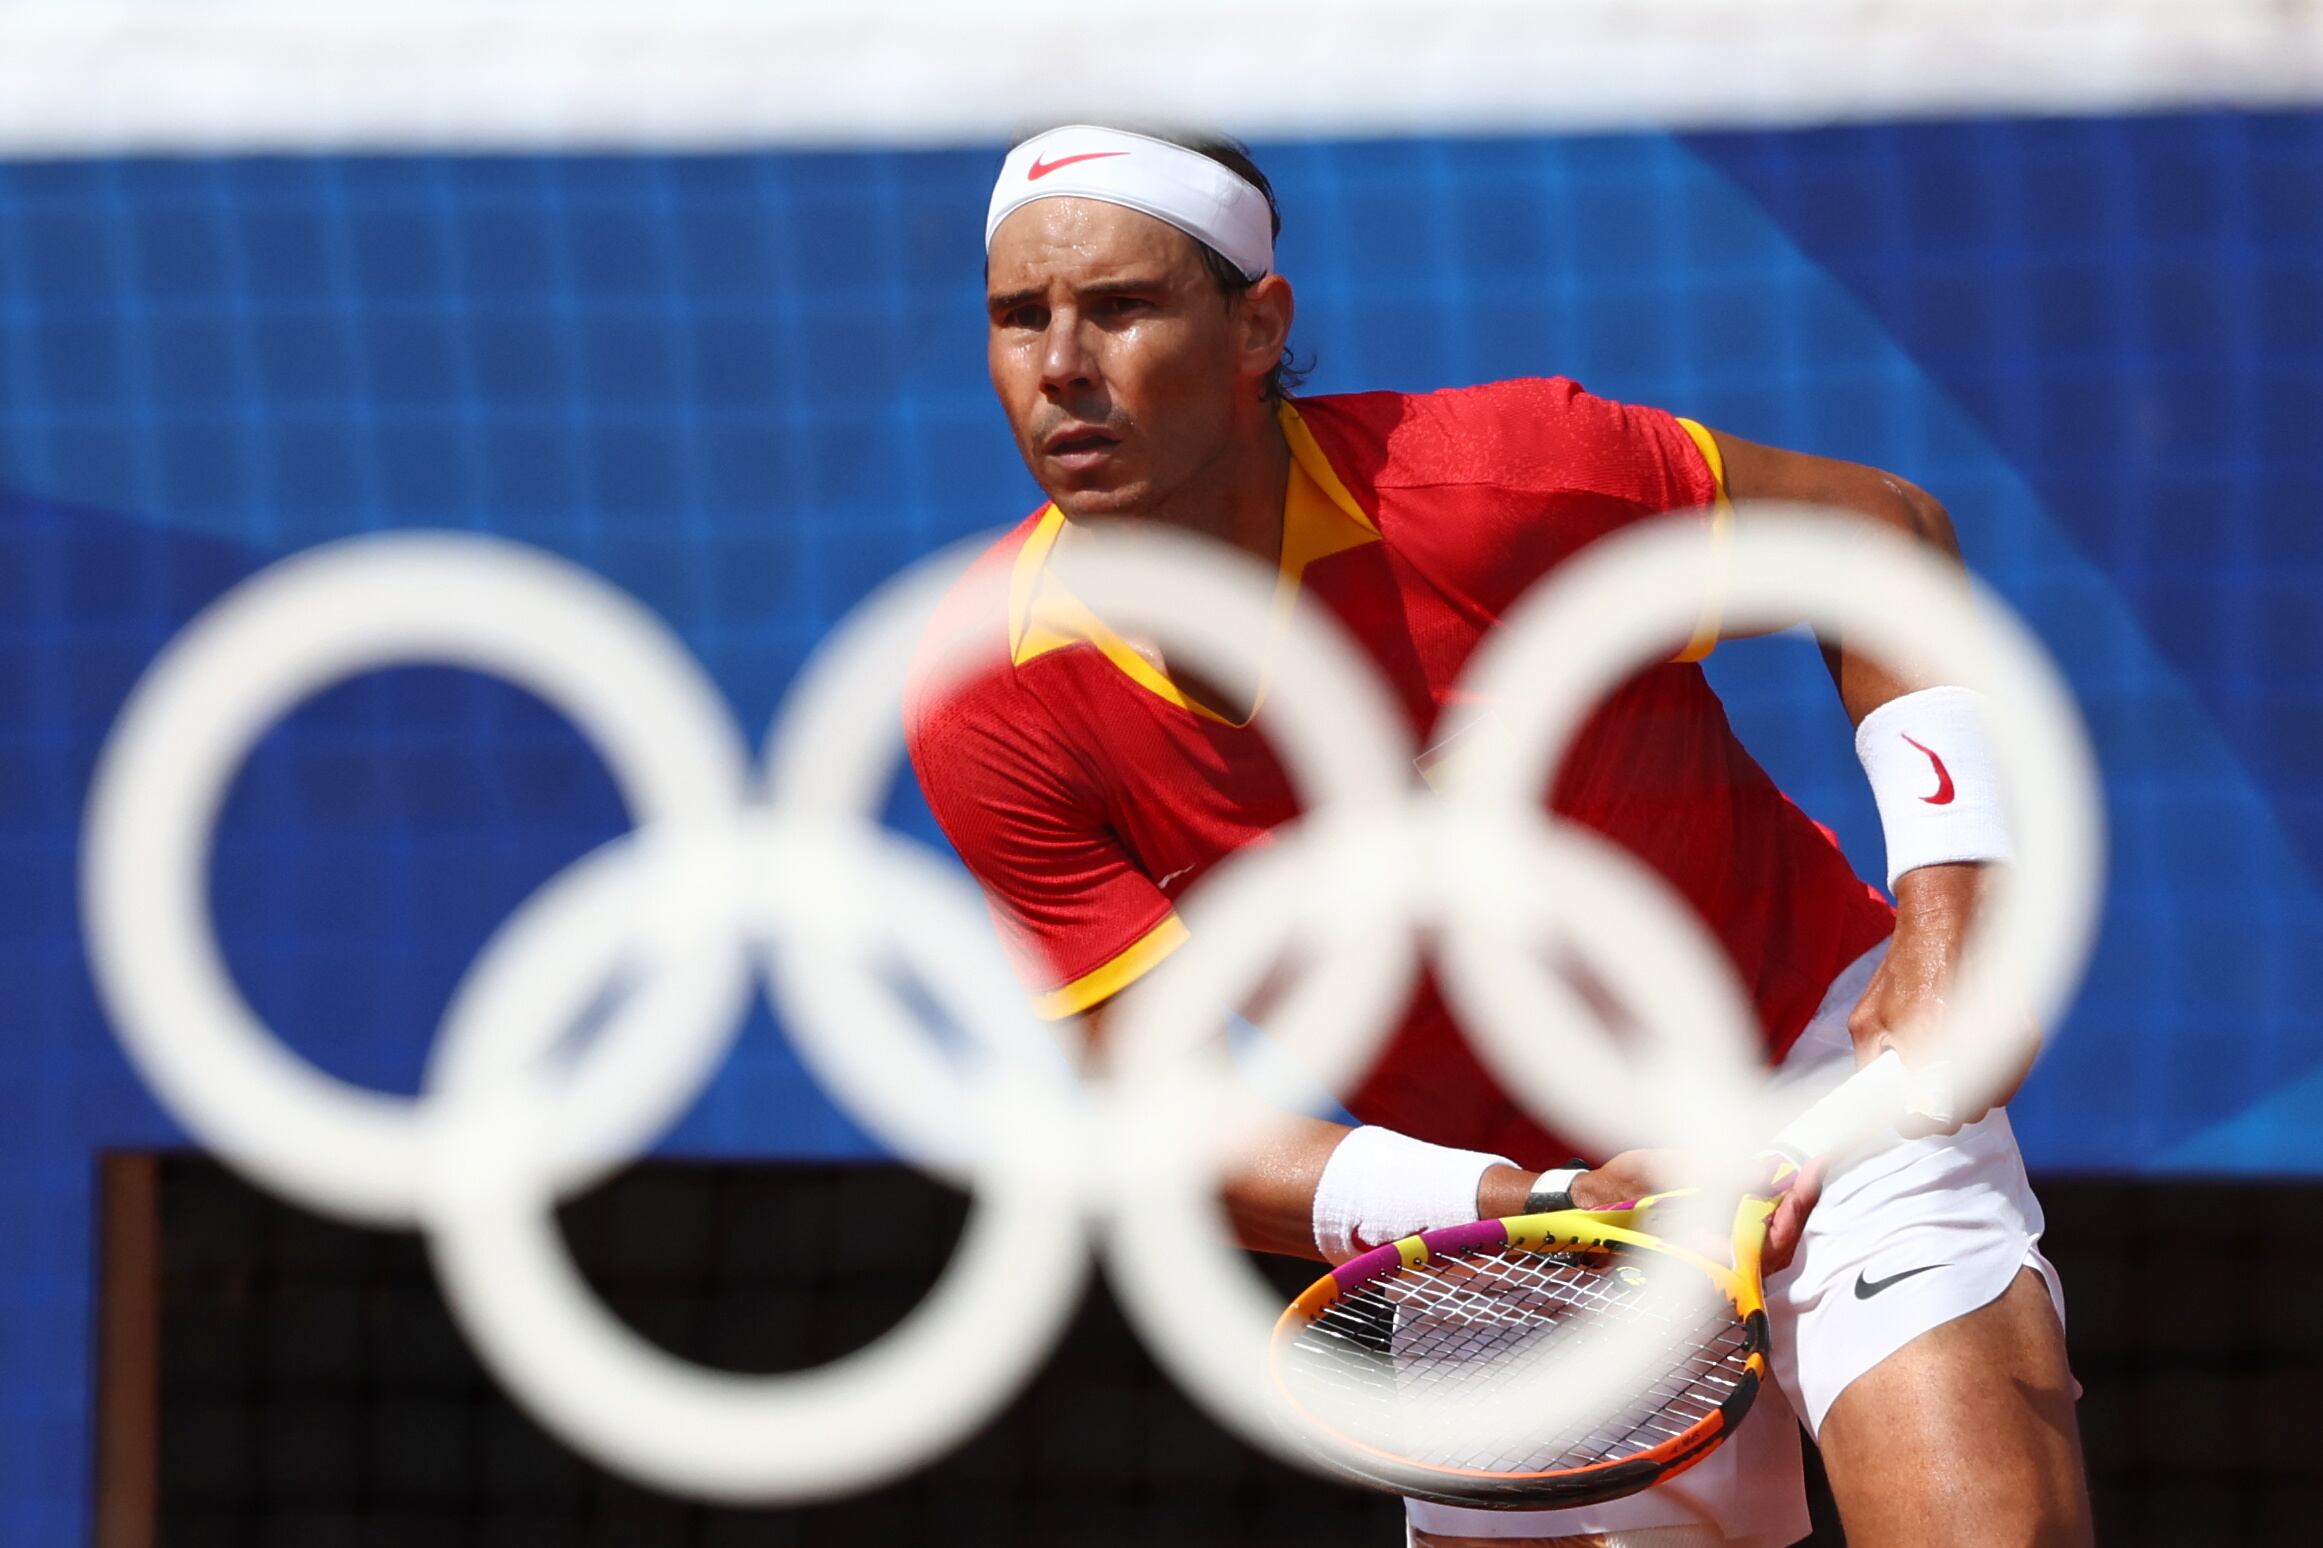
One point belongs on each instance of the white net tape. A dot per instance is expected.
(82, 77)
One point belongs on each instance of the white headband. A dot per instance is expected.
(1168, 182)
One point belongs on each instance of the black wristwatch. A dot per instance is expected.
(1552, 1191)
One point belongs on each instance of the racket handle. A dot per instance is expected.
(1874, 1096)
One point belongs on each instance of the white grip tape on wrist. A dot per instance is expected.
(1932, 771)
(1929, 1093)
(1550, 1184)
(1380, 1186)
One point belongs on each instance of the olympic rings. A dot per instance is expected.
(788, 877)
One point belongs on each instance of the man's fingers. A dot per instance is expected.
(1790, 1217)
(1636, 1173)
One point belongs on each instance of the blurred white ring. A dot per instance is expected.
(871, 1415)
(551, 627)
(1616, 607)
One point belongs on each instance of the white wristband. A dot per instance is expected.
(1933, 774)
(1380, 1186)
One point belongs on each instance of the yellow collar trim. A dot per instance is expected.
(1320, 518)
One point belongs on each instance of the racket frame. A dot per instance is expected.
(1594, 1232)
(1873, 1097)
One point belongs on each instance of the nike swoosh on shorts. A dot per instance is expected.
(1866, 1288)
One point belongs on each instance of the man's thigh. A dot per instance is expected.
(1964, 1435)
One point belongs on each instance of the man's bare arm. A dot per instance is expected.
(1270, 1195)
(1934, 903)
(1755, 472)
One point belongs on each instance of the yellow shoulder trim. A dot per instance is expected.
(1705, 638)
(1707, 445)
(1126, 968)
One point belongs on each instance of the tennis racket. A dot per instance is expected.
(1405, 1368)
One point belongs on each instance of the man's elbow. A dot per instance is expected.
(1919, 515)
(1755, 472)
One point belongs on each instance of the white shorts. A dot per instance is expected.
(1911, 1234)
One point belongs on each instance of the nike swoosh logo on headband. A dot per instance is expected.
(1041, 169)
(1943, 795)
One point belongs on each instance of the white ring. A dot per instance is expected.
(1617, 606)
(1557, 653)
(827, 760)
(584, 646)
(856, 1422)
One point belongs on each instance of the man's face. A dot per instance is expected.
(1112, 351)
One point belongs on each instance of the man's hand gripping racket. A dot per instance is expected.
(1405, 1368)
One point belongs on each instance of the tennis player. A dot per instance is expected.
(1138, 332)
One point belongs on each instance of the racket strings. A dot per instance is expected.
(1408, 1363)
(1685, 1384)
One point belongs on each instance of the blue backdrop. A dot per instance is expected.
(748, 388)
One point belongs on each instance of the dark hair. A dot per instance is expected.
(1234, 156)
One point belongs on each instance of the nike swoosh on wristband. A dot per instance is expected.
(1041, 169)
(1865, 1288)
(1943, 795)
